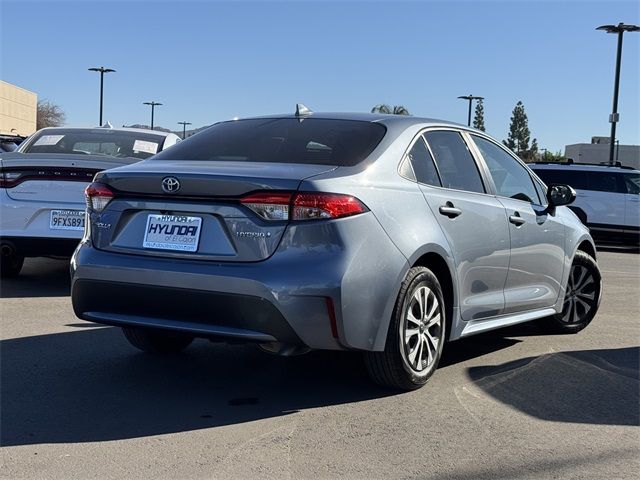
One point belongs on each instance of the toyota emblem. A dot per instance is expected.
(170, 184)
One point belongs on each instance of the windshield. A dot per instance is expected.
(114, 143)
(282, 140)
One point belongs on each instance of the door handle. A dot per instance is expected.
(516, 219)
(448, 210)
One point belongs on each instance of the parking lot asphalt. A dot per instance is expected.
(78, 402)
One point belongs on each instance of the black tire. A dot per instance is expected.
(584, 287)
(157, 341)
(393, 367)
(10, 265)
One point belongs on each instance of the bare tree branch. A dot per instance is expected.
(49, 115)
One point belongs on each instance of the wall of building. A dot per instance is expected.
(599, 153)
(18, 109)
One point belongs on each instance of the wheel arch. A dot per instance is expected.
(580, 213)
(588, 247)
(441, 269)
(441, 263)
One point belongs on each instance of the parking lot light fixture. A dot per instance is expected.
(613, 119)
(153, 106)
(470, 98)
(102, 71)
(184, 128)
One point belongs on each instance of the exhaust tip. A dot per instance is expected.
(7, 250)
(283, 349)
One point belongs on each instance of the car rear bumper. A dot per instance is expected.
(335, 295)
(40, 246)
(25, 224)
(198, 312)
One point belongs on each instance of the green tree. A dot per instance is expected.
(49, 115)
(532, 153)
(553, 157)
(396, 110)
(478, 120)
(519, 134)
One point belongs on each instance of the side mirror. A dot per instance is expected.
(559, 195)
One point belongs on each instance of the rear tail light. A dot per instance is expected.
(303, 206)
(270, 206)
(311, 206)
(13, 176)
(9, 179)
(97, 196)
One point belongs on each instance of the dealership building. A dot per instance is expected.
(18, 109)
(598, 152)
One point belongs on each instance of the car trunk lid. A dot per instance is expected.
(206, 202)
(51, 177)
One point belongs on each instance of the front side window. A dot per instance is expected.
(457, 168)
(542, 192)
(632, 181)
(422, 163)
(512, 179)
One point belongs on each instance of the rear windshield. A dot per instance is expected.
(113, 143)
(283, 140)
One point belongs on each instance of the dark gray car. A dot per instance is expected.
(385, 234)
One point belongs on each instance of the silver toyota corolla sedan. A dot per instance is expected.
(386, 234)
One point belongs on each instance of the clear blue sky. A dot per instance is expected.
(211, 61)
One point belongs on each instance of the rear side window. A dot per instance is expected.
(422, 163)
(282, 140)
(458, 169)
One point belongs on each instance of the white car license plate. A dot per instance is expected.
(172, 232)
(66, 220)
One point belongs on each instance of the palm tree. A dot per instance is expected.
(396, 110)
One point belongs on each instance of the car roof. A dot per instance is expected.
(581, 167)
(386, 119)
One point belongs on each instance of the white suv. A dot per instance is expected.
(608, 197)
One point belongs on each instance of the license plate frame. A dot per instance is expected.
(176, 233)
(67, 219)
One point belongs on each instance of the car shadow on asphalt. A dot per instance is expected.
(586, 386)
(90, 385)
(41, 277)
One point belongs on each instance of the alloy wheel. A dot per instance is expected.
(422, 329)
(580, 298)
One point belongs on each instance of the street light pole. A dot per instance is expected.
(153, 106)
(619, 29)
(102, 71)
(184, 128)
(470, 98)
